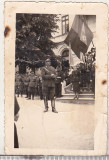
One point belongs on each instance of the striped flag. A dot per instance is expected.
(80, 35)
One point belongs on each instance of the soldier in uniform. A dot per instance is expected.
(37, 85)
(31, 86)
(76, 82)
(48, 85)
(58, 86)
(40, 88)
(93, 77)
(18, 84)
(21, 86)
(26, 83)
(88, 72)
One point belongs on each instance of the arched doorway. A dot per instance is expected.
(65, 58)
(65, 62)
(65, 54)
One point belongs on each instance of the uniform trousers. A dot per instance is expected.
(31, 92)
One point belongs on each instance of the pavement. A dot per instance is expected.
(71, 128)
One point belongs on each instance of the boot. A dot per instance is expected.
(46, 110)
(46, 104)
(53, 105)
(29, 96)
(32, 97)
(54, 110)
(77, 97)
(26, 95)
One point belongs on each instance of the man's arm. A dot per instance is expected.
(48, 75)
(45, 75)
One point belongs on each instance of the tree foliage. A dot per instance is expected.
(33, 35)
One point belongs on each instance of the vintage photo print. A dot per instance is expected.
(55, 78)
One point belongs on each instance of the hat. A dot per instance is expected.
(93, 49)
(48, 60)
(32, 72)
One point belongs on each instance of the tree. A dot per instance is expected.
(33, 35)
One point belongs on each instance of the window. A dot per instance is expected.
(65, 24)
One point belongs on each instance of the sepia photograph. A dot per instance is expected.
(56, 105)
(55, 73)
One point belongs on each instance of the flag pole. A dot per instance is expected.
(93, 43)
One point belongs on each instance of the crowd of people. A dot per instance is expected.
(44, 85)
(81, 76)
(27, 84)
(49, 84)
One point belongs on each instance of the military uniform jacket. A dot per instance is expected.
(26, 80)
(75, 77)
(32, 82)
(47, 79)
(17, 80)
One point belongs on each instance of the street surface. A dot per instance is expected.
(71, 128)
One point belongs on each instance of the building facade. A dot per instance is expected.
(65, 23)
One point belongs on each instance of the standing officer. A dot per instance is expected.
(21, 86)
(26, 83)
(31, 86)
(37, 85)
(76, 82)
(40, 88)
(48, 85)
(58, 86)
(17, 83)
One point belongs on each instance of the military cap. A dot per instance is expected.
(48, 60)
(93, 49)
(32, 72)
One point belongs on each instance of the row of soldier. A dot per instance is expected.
(28, 84)
(48, 85)
(31, 84)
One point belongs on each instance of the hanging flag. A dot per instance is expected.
(74, 59)
(82, 57)
(80, 35)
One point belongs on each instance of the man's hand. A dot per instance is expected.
(53, 75)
